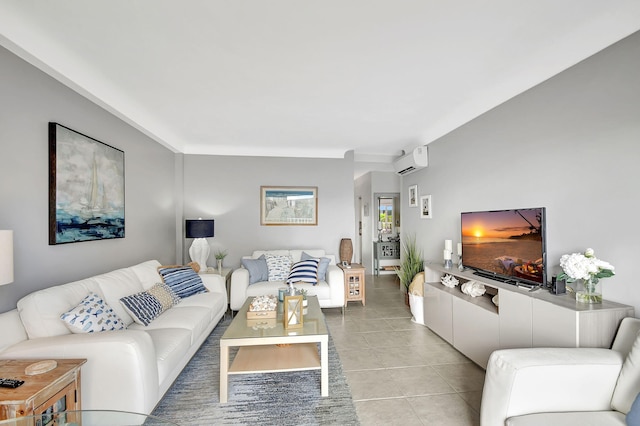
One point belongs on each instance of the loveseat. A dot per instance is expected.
(253, 279)
(129, 369)
(565, 386)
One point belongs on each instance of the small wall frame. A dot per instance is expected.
(292, 312)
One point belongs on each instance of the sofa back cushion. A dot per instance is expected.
(117, 284)
(40, 311)
(147, 273)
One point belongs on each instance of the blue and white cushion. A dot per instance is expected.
(322, 266)
(278, 266)
(143, 307)
(305, 271)
(92, 315)
(183, 281)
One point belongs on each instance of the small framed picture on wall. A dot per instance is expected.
(413, 196)
(425, 207)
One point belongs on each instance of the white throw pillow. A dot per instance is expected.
(92, 315)
(278, 266)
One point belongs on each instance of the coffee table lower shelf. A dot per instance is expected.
(272, 358)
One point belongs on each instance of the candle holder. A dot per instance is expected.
(448, 264)
(460, 267)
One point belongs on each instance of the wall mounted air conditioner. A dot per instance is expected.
(415, 160)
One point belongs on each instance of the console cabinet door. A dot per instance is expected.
(438, 312)
(553, 326)
(515, 320)
(475, 331)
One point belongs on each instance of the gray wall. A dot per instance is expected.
(571, 145)
(30, 99)
(227, 189)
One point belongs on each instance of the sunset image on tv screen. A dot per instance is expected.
(506, 242)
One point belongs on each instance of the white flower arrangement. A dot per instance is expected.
(578, 266)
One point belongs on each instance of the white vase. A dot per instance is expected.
(220, 266)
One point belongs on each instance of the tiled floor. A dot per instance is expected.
(401, 372)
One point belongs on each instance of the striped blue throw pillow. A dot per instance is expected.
(304, 271)
(143, 307)
(183, 281)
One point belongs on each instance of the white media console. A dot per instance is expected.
(476, 326)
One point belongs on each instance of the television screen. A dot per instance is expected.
(506, 244)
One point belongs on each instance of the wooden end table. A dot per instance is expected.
(354, 284)
(55, 391)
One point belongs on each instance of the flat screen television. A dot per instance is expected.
(507, 245)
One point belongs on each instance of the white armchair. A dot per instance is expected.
(564, 386)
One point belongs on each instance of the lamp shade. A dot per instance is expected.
(6, 257)
(201, 228)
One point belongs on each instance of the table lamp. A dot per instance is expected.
(6, 257)
(199, 230)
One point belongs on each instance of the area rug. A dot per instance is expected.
(291, 398)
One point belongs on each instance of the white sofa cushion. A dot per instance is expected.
(171, 345)
(40, 311)
(116, 285)
(581, 418)
(321, 290)
(194, 318)
(147, 273)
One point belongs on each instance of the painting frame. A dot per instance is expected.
(289, 205)
(426, 209)
(413, 196)
(86, 188)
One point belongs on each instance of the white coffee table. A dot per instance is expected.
(258, 353)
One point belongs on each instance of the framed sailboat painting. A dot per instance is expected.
(86, 188)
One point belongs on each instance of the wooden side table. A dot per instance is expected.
(51, 392)
(354, 284)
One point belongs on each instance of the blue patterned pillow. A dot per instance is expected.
(143, 307)
(278, 266)
(304, 271)
(322, 266)
(92, 315)
(183, 281)
(257, 268)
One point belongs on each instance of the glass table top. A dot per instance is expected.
(242, 328)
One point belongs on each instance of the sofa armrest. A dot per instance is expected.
(239, 285)
(335, 279)
(537, 380)
(214, 283)
(121, 371)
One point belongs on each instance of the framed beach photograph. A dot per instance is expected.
(86, 188)
(413, 196)
(289, 205)
(425, 207)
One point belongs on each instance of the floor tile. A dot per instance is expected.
(400, 372)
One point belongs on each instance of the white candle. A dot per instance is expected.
(459, 249)
(448, 245)
(447, 254)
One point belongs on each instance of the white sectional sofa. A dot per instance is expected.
(130, 369)
(330, 291)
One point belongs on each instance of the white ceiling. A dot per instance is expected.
(307, 78)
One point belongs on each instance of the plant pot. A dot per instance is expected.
(406, 299)
(417, 308)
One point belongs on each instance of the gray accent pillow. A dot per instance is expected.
(322, 266)
(257, 268)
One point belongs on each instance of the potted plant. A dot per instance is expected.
(412, 263)
(220, 255)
